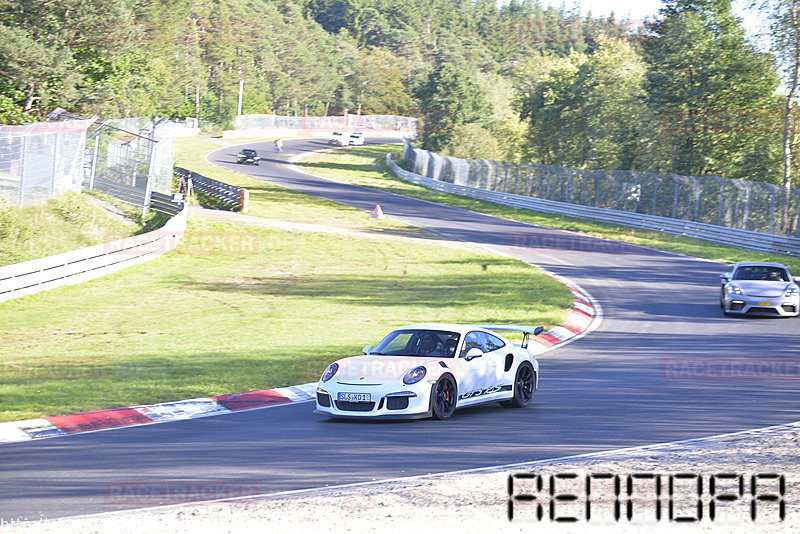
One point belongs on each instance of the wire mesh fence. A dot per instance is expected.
(344, 122)
(42, 160)
(127, 158)
(132, 155)
(733, 203)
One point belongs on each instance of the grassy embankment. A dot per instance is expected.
(366, 166)
(68, 222)
(243, 306)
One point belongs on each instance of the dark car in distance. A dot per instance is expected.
(247, 155)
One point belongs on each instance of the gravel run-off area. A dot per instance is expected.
(478, 501)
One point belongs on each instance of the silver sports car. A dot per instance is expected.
(759, 288)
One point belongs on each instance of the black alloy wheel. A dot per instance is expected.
(524, 386)
(444, 397)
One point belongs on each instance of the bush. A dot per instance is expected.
(471, 141)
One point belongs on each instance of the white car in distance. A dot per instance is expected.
(356, 139)
(337, 138)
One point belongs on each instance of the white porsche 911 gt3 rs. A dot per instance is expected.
(430, 370)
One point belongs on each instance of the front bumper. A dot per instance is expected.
(386, 402)
(772, 306)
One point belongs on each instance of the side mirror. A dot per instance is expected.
(538, 330)
(796, 280)
(366, 349)
(724, 278)
(473, 353)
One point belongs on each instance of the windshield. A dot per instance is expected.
(435, 343)
(761, 272)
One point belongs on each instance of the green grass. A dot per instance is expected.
(61, 224)
(366, 166)
(250, 304)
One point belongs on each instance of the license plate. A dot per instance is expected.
(764, 304)
(355, 397)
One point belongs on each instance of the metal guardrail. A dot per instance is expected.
(165, 204)
(87, 263)
(127, 194)
(232, 197)
(718, 234)
(159, 202)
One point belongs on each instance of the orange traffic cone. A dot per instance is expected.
(377, 213)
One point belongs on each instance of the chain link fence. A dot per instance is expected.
(40, 161)
(401, 125)
(128, 158)
(733, 203)
(131, 159)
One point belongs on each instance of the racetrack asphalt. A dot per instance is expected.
(664, 365)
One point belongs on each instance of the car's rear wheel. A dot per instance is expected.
(443, 401)
(524, 387)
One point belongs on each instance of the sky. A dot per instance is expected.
(640, 9)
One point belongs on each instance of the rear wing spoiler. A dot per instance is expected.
(527, 331)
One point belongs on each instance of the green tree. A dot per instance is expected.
(784, 17)
(504, 124)
(10, 112)
(377, 83)
(473, 141)
(612, 108)
(711, 88)
(39, 41)
(552, 108)
(449, 98)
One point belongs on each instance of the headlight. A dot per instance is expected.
(792, 291)
(330, 371)
(734, 290)
(414, 375)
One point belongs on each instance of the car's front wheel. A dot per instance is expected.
(524, 387)
(443, 401)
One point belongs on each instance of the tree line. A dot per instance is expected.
(684, 93)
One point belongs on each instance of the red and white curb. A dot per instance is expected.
(584, 317)
(63, 425)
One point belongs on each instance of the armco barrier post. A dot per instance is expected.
(244, 198)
